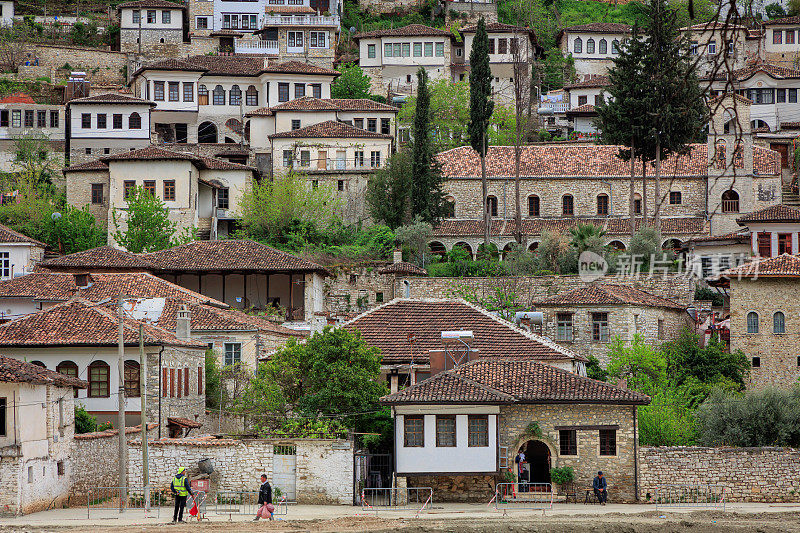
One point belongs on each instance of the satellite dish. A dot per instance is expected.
(352, 29)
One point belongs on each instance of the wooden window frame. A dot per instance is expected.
(414, 418)
(107, 381)
(480, 434)
(568, 442)
(169, 191)
(608, 442)
(132, 389)
(443, 419)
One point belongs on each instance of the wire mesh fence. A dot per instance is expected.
(125, 499)
(396, 499)
(523, 496)
(706, 496)
(232, 502)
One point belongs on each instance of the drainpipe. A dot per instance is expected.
(160, 390)
(635, 454)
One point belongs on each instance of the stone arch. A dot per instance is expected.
(730, 201)
(538, 445)
(465, 246)
(437, 248)
(757, 123)
(507, 249)
(617, 245)
(207, 133)
(671, 244)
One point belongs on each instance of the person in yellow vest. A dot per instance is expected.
(180, 489)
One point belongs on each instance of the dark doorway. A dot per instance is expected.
(207, 133)
(537, 455)
(782, 149)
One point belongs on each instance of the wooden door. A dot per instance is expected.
(782, 149)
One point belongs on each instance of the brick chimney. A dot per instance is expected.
(183, 321)
(397, 256)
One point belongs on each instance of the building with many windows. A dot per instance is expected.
(592, 46)
(151, 27)
(21, 115)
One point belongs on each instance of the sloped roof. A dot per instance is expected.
(741, 236)
(388, 327)
(235, 65)
(588, 82)
(16, 371)
(773, 213)
(504, 381)
(412, 30)
(112, 98)
(782, 266)
(150, 3)
(609, 294)
(104, 257)
(498, 27)
(17, 98)
(599, 27)
(403, 268)
(536, 226)
(89, 165)
(9, 235)
(330, 129)
(782, 20)
(585, 109)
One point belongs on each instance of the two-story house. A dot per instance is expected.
(21, 115)
(151, 27)
(106, 124)
(781, 41)
(719, 47)
(582, 96)
(592, 46)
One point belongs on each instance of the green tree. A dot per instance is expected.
(33, 160)
(351, 83)
(147, 225)
(416, 236)
(449, 113)
(213, 381)
(84, 422)
(556, 70)
(594, 370)
(587, 237)
(427, 199)
(71, 230)
(775, 11)
(388, 191)
(480, 109)
(644, 367)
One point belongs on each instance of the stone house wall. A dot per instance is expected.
(766, 475)
(100, 65)
(79, 192)
(358, 288)
(395, 6)
(161, 43)
(191, 406)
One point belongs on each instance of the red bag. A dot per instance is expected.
(266, 510)
(193, 510)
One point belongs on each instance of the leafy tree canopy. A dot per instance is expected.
(352, 83)
(147, 227)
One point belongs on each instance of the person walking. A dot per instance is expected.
(264, 499)
(600, 488)
(181, 490)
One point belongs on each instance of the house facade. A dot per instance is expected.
(593, 46)
(19, 254)
(21, 115)
(717, 47)
(151, 27)
(781, 45)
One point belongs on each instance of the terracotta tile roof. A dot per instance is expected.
(79, 322)
(150, 3)
(229, 255)
(171, 64)
(589, 82)
(307, 103)
(504, 381)
(536, 226)
(235, 65)
(17, 98)
(412, 30)
(498, 27)
(714, 26)
(226, 33)
(129, 430)
(782, 266)
(774, 71)
(585, 109)
(782, 20)
(609, 294)
(90, 165)
(153, 153)
(583, 160)
(388, 326)
(298, 67)
(790, 125)
(213, 163)
(773, 213)
(735, 96)
(330, 129)
(183, 422)
(738, 236)
(16, 371)
(599, 27)
(111, 98)
(98, 259)
(290, 9)
(361, 104)
(260, 112)
(9, 235)
(403, 268)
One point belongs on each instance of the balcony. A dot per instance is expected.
(333, 164)
(256, 47)
(301, 20)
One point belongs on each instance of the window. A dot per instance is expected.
(340, 185)
(174, 91)
(4, 118)
(372, 125)
(233, 353)
(158, 91)
(406, 50)
(564, 327)
(445, 431)
(440, 49)
(764, 241)
(764, 96)
(166, 17)
(371, 51)
(128, 186)
(97, 193)
(88, 151)
(359, 159)
(86, 121)
(132, 383)
(137, 16)
(674, 197)
(600, 327)
(387, 50)
(417, 49)
(660, 328)
(567, 206)
(299, 90)
(283, 92)
(305, 158)
(151, 16)
(358, 123)
(577, 46)
(5, 264)
(68, 368)
(319, 39)
(294, 39)
(792, 96)
(235, 96)
(615, 46)
(777, 36)
(60, 469)
(219, 95)
(568, 442)
(693, 48)
(608, 442)
(169, 190)
(583, 100)
(98, 380)
(789, 36)
(375, 159)
(780, 96)
(478, 431)
(101, 121)
(711, 48)
(295, 124)
(3, 423)
(396, 50)
(150, 187)
(602, 204)
(533, 206)
(134, 121)
(287, 158)
(491, 205)
(590, 46)
(202, 23)
(16, 119)
(502, 46)
(200, 375)
(429, 49)
(602, 46)
(413, 431)
(637, 204)
(41, 119)
(752, 322)
(756, 362)
(784, 243)
(202, 95)
(316, 90)
(106, 151)
(778, 323)
(386, 126)
(188, 91)
(251, 96)
(223, 198)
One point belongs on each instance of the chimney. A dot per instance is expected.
(183, 322)
(81, 280)
(397, 257)
(455, 351)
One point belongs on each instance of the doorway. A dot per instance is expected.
(782, 149)
(537, 455)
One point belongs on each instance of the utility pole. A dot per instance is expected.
(143, 395)
(123, 443)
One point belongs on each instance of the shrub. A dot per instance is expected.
(562, 475)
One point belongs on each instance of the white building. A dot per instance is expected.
(21, 115)
(6, 12)
(152, 27)
(593, 46)
(19, 254)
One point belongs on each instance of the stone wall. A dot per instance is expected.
(100, 65)
(358, 288)
(749, 474)
(456, 488)
(190, 405)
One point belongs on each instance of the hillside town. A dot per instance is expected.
(367, 266)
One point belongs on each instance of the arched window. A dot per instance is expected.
(219, 95)
(617, 245)
(603, 46)
(39, 363)
(449, 207)
(759, 124)
(491, 205)
(590, 46)
(752, 322)
(637, 204)
(251, 96)
(719, 154)
(577, 46)
(437, 248)
(730, 201)
(99, 376)
(135, 121)
(207, 133)
(615, 46)
(602, 204)
(533, 206)
(778, 323)
(132, 382)
(235, 96)
(202, 95)
(68, 368)
(738, 155)
(567, 205)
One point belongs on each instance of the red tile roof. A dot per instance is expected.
(504, 381)
(183, 422)
(498, 27)
(609, 294)
(782, 20)
(388, 327)
(9, 235)
(599, 27)
(403, 268)
(235, 65)
(290, 9)
(80, 322)
(536, 226)
(738, 236)
(90, 165)
(774, 71)
(782, 266)
(112, 432)
(330, 129)
(589, 82)
(412, 30)
(150, 3)
(111, 98)
(773, 213)
(17, 98)
(98, 259)
(298, 67)
(16, 371)
(309, 103)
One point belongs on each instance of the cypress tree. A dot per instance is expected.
(427, 199)
(480, 110)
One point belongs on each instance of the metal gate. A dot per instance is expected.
(284, 470)
(371, 471)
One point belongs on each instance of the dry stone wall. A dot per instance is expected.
(100, 65)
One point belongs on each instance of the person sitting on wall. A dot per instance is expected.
(600, 488)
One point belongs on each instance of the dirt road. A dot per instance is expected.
(650, 522)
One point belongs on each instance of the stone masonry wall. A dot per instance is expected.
(100, 65)
(358, 288)
(748, 474)
(191, 405)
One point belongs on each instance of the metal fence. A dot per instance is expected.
(232, 502)
(697, 495)
(124, 499)
(532, 496)
(396, 499)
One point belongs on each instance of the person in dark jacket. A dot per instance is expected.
(599, 484)
(264, 496)
(181, 490)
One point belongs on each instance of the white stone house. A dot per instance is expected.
(593, 46)
(106, 124)
(19, 254)
(7, 12)
(150, 27)
(37, 425)
(21, 115)
(780, 41)
(719, 46)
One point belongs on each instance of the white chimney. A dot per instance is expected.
(183, 322)
(397, 257)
